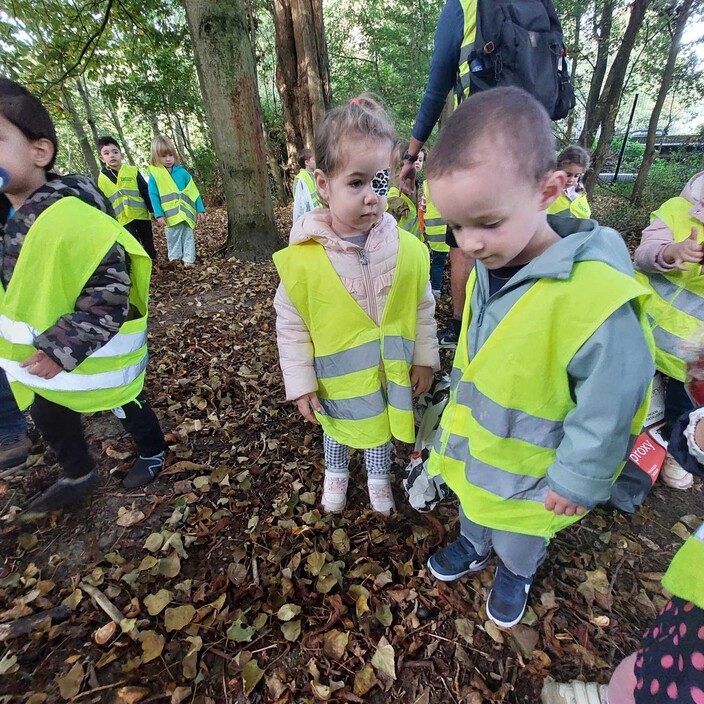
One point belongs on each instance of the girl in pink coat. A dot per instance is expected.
(355, 314)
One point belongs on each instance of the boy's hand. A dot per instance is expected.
(161, 220)
(680, 253)
(560, 506)
(41, 364)
(421, 379)
(201, 217)
(304, 404)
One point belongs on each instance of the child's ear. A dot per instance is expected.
(322, 184)
(551, 187)
(42, 152)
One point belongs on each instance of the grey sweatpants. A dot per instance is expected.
(522, 554)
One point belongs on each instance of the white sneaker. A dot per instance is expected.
(574, 692)
(335, 491)
(381, 496)
(674, 475)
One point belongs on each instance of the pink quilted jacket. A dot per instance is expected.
(370, 292)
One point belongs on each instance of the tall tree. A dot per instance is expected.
(87, 107)
(302, 69)
(87, 150)
(681, 15)
(610, 99)
(228, 80)
(120, 132)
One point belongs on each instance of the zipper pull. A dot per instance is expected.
(363, 257)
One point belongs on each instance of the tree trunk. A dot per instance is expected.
(611, 95)
(683, 13)
(121, 135)
(591, 118)
(302, 69)
(81, 136)
(154, 123)
(280, 194)
(90, 118)
(228, 81)
(573, 73)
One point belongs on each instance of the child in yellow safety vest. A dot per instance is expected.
(355, 328)
(127, 192)
(553, 363)
(305, 192)
(669, 260)
(572, 202)
(403, 209)
(74, 288)
(176, 200)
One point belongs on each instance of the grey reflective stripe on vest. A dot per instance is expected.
(435, 222)
(357, 408)
(686, 301)
(169, 197)
(509, 422)
(455, 377)
(398, 348)
(400, 397)
(134, 203)
(357, 359)
(666, 341)
(411, 224)
(435, 238)
(496, 481)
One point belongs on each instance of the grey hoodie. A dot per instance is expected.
(610, 374)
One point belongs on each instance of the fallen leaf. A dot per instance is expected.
(70, 683)
(175, 619)
(288, 611)
(383, 615)
(8, 664)
(251, 674)
(27, 541)
(152, 645)
(156, 603)
(291, 630)
(340, 541)
(180, 694)
(525, 639)
(465, 628)
(364, 680)
(154, 542)
(131, 695)
(384, 658)
(128, 517)
(73, 599)
(170, 566)
(240, 634)
(320, 691)
(335, 643)
(493, 630)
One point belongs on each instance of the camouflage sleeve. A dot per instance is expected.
(101, 308)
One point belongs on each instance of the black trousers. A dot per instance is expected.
(62, 430)
(141, 230)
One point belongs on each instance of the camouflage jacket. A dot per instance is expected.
(103, 305)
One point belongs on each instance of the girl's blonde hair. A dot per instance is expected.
(574, 154)
(161, 146)
(362, 117)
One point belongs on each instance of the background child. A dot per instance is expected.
(127, 192)
(435, 236)
(305, 192)
(175, 199)
(553, 363)
(572, 202)
(91, 353)
(670, 256)
(403, 210)
(354, 295)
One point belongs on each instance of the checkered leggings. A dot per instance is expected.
(337, 457)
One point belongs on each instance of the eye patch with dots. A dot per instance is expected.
(380, 183)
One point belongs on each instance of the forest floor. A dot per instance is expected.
(229, 584)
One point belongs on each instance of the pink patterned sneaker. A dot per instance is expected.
(335, 491)
(381, 496)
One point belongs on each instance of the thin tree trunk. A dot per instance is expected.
(81, 136)
(683, 13)
(611, 95)
(90, 118)
(121, 135)
(154, 123)
(280, 194)
(228, 80)
(573, 74)
(591, 118)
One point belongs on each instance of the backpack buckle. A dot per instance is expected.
(489, 47)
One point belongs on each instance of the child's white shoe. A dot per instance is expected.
(381, 496)
(335, 491)
(674, 475)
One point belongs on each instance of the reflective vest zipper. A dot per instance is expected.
(364, 264)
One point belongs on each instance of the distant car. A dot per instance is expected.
(643, 132)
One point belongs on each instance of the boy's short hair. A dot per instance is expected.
(161, 146)
(27, 114)
(511, 120)
(108, 141)
(303, 156)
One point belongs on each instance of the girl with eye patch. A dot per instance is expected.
(355, 314)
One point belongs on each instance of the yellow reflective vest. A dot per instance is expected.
(307, 178)
(504, 421)
(364, 403)
(684, 575)
(435, 227)
(178, 206)
(577, 208)
(469, 10)
(124, 195)
(60, 253)
(676, 308)
(407, 222)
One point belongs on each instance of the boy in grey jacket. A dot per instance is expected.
(554, 361)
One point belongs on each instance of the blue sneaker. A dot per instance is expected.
(508, 597)
(456, 560)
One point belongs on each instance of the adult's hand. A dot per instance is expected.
(407, 177)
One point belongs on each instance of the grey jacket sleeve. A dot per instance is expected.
(610, 376)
